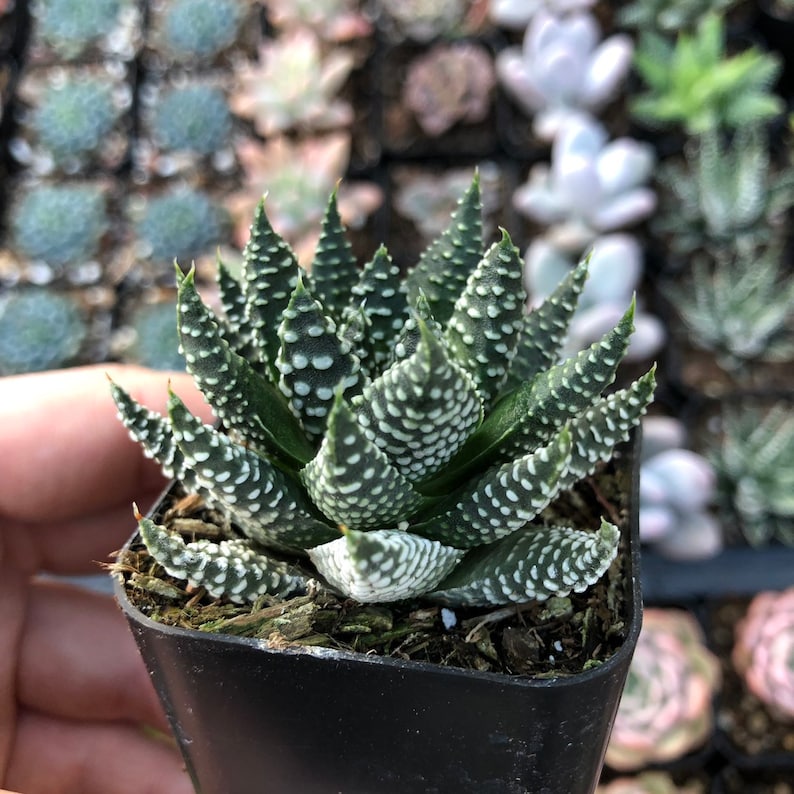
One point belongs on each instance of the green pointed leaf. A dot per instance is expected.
(270, 272)
(383, 565)
(230, 568)
(313, 360)
(245, 401)
(531, 565)
(421, 410)
(607, 423)
(234, 324)
(383, 295)
(408, 340)
(334, 268)
(530, 415)
(544, 329)
(503, 500)
(483, 331)
(352, 482)
(445, 265)
(268, 506)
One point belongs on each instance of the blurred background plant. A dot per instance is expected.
(666, 710)
(694, 84)
(421, 21)
(40, 329)
(669, 16)
(763, 652)
(754, 461)
(150, 336)
(655, 782)
(333, 20)
(517, 14)
(563, 70)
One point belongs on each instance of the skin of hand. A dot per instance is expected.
(74, 693)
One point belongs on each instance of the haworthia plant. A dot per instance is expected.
(394, 438)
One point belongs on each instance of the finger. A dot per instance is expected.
(78, 659)
(63, 451)
(92, 539)
(54, 756)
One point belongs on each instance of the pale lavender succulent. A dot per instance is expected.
(677, 488)
(615, 273)
(517, 14)
(592, 186)
(563, 69)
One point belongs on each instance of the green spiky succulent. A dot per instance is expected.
(395, 437)
(755, 473)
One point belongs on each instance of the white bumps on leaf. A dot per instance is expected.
(383, 565)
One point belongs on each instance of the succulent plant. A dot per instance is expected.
(592, 186)
(647, 783)
(199, 30)
(401, 433)
(755, 473)
(722, 196)
(71, 26)
(669, 17)
(666, 710)
(333, 20)
(450, 83)
(293, 85)
(74, 117)
(563, 70)
(517, 14)
(155, 342)
(59, 224)
(615, 274)
(739, 308)
(39, 329)
(297, 177)
(422, 20)
(763, 651)
(181, 223)
(693, 83)
(193, 117)
(677, 490)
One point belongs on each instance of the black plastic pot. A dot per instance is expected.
(253, 720)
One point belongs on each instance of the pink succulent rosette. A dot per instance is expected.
(763, 653)
(666, 710)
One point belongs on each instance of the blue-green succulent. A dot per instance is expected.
(70, 26)
(395, 437)
(182, 223)
(73, 118)
(200, 29)
(193, 117)
(39, 330)
(156, 341)
(60, 224)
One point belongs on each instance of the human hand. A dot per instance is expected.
(74, 693)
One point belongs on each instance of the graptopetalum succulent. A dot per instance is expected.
(394, 437)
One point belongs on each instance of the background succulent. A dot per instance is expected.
(666, 709)
(655, 782)
(60, 224)
(181, 223)
(154, 339)
(412, 457)
(193, 117)
(294, 84)
(39, 329)
(333, 20)
(723, 195)
(517, 14)
(763, 651)
(615, 274)
(74, 117)
(677, 492)
(421, 20)
(694, 84)
(592, 186)
(755, 473)
(563, 70)
(71, 26)
(665, 16)
(199, 29)
(450, 83)
(739, 308)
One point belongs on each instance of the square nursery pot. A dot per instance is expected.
(251, 719)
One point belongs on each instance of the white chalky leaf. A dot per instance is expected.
(531, 565)
(229, 568)
(383, 565)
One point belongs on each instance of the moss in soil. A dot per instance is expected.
(558, 637)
